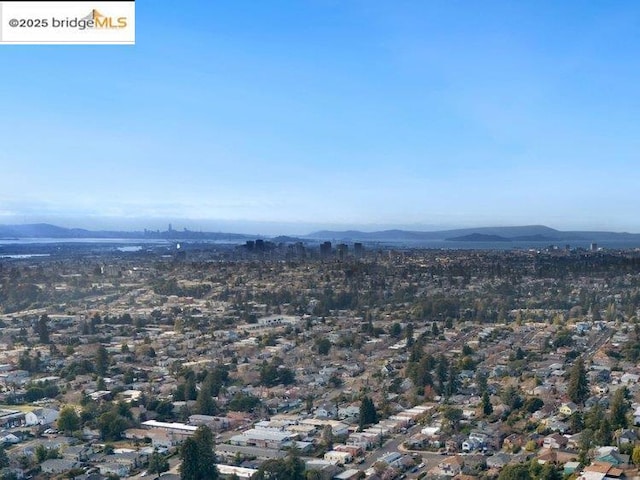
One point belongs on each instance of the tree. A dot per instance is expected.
(586, 442)
(452, 385)
(593, 417)
(603, 435)
(68, 420)
(42, 329)
(442, 373)
(102, 361)
(244, 402)
(533, 404)
(395, 330)
(514, 472)
(481, 381)
(205, 404)
(323, 345)
(4, 459)
(576, 422)
(368, 413)
(453, 415)
(549, 472)
(158, 463)
(487, 408)
(409, 334)
(635, 456)
(198, 457)
(327, 436)
(578, 386)
(511, 397)
(619, 408)
(41, 453)
(112, 424)
(289, 468)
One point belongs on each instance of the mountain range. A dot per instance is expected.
(529, 233)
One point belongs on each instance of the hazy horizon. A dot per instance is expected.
(256, 227)
(321, 113)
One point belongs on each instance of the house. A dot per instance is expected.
(555, 441)
(351, 474)
(350, 411)
(390, 458)
(629, 378)
(568, 408)
(600, 471)
(626, 437)
(636, 416)
(77, 453)
(570, 467)
(256, 437)
(498, 460)
(118, 469)
(611, 456)
(11, 418)
(449, 467)
(325, 411)
(41, 416)
(338, 457)
(9, 438)
(58, 465)
(514, 441)
(352, 449)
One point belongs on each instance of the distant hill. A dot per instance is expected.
(45, 230)
(527, 233)
(479, 237)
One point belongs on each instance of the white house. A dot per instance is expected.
(41, 416)
(337, 457)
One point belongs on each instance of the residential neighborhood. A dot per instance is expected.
(392, 363)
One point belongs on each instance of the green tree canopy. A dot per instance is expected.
(368, 414)
(158, 463)
(68, 420)
(578, 385)
(198, 457)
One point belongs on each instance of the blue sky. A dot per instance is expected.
(290, 115)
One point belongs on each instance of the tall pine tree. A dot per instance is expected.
(578, 387)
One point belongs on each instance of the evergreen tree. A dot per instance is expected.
(102, 361)
(603, 435)
(189, 469)
(514, 472)
(593, 417)
(4, 459)
(42, 329)
(619, 408)
(327, 436)
(442, 373)
(409, 334)
(481, 381)
(578, 386)
(576, 422)
(198, 457)
(487, 408)
(452, 385)
(290, 468)
(368, 413)
(205, 404)
(158, 463)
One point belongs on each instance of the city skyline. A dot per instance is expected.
(305, 115)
